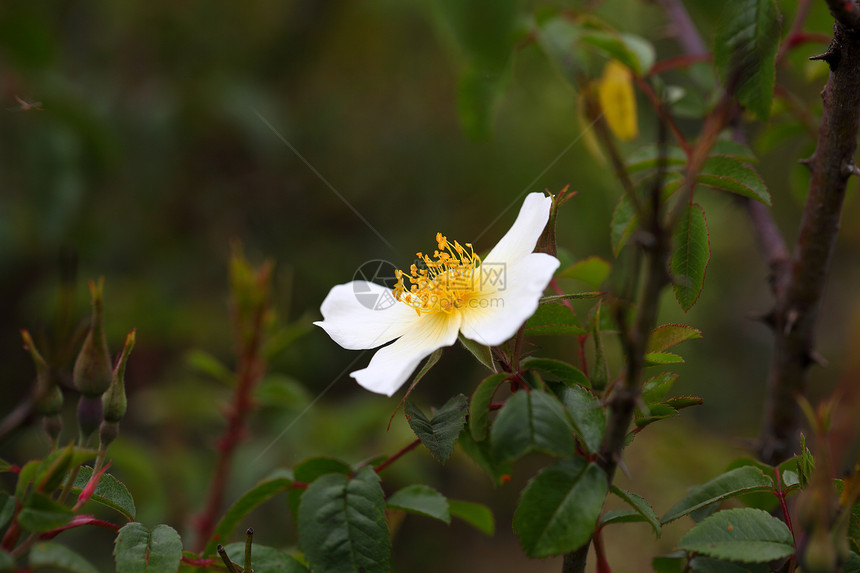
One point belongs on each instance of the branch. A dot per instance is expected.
(796, 311)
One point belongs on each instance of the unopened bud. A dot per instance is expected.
(114, 400)
(89, 415)
(48, 398)
(92, 373)
(820, 555)
(108, 431)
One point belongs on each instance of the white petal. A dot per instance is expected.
(392, 365)
(521, 238)
(359, 315)
(496, 316)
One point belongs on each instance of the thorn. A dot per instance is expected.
(816, 358)
(623, 467)
(790, 321)
(807, 162)
(849, 169)
(831, 56)
(767, 318)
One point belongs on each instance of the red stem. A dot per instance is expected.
(602, 563)
(398, 455)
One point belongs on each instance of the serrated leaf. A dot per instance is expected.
(58, 557)
(42, 513)
(482, 353)
(668, 335)
(423, 500)
(709, 565)
(592, 271)
(681, 402)
(852, 563)
(674, 563)
(641, 506)
(480, 453)
(745, 47)
(690, 256)
(656, 412)
(730, 174)
(621, 516)
(553, 319)
(646, 158)
(439, 433)
(587, 415)
(746, 535)
(656, 388)
(110, 492)
(265, 558)
(309, 470)
(735, 482)
(655, 358)
(559, 508)
(477, 515)
(342, 525)
(278, 482)
(734, 149)
(531, 421)
(479, 405)
(139, 550)
(566, 373)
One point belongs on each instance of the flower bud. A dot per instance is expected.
(820, 555)
(53, 426)
(90, 415)
(48, 398)
(92, 373)
(108, 431)
(114, 400)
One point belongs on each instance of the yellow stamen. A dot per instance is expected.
(448, 281)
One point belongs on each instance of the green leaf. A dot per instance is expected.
(674, 563)
(553, 319)
(656, 412)
(439, 434)
(852, 563)
(479, 406)
(309, 470)
(477, 515)
(735, 482)
(745, 47)
(58, 557)
(709, 565)
(110, 492)
(342, 525)
(730, 174)
(656, 388)
(746, 535)
(633, 51)
(621, 516)
(205, 363)
(645, 159)
(734, 149)
(592, 271)
(587, 415)
(265, 558)
(7, 562)
(559, 370)
(139, 550)
(641, 506)
(480, 453)
(478, 97)
(559, 39)
(422, 500)
(669, 335)
(654, 358)
(600, 370)
(482, 353)
(691, 254)
(559, 508)
(7, 508)
(42, 513)
(4, 466)
(681, 402)
(280, 481)
(624, 221)
(531, 421)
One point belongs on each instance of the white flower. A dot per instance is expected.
(453, 291)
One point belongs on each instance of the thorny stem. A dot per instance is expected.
(796, 311)
(394, 457)
(249, 372)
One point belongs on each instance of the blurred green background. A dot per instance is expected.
(166, 130)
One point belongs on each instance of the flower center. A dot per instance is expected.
(446, 282)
